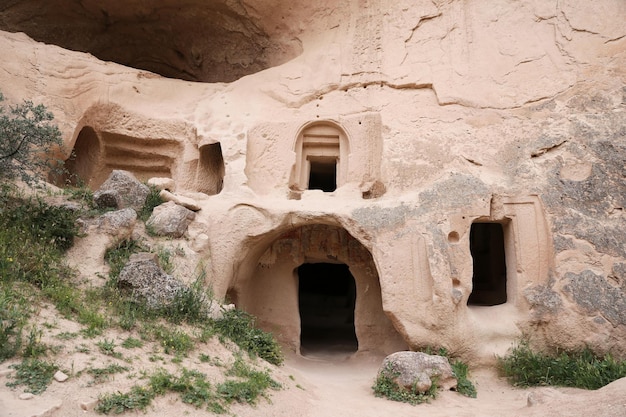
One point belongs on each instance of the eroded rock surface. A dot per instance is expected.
(386, 143)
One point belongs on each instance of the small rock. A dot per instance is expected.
(60, 376)
(5, 372)
(170, 219)
(26, 396)
(417, 371)
(88, 405)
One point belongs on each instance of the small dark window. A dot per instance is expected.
(323, 174)
(489, 279)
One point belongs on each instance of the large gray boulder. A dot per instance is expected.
(121, 190)
(144, 277)
(417, 371)
(170, 219)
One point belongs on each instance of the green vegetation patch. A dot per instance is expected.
(35, 374)
(238, 326)
(246, 386)
(580, 369)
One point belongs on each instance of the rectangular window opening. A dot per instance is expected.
(489, 281)
(323, 174)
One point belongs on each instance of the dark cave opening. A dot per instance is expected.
(488, 254)
(323, 174)
(326, 298)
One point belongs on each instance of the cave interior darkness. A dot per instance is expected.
(326, 298)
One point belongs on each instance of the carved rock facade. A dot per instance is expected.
(417, 174)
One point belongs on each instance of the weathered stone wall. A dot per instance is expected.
(454, 113)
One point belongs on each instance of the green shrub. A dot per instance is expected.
(34, 373)
(32, 237)
(579, 369)
(238, 326)
(34, 347)
(463, 386)
(28, 141)
(190, 304)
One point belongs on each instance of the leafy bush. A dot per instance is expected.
(463, 385)
(191, 304)
(27, 141)
(238, 326)
(579, 369)
(32, 237)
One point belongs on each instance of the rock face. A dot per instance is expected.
(417, 371)
(456, 167)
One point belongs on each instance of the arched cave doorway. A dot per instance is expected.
(316, 288)
(326, 301)
(321, 150)
(83, 163)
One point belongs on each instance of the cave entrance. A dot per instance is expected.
(488, 253)
(82, 165)
(326, 298)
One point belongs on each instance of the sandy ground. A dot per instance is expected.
(335, 386)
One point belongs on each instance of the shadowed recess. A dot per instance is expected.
(216, 41)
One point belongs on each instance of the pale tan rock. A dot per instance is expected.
(162, 183)
(88, 405)
(26, 396)
(186, 202)
(60, 376)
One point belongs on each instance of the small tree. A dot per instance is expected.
(27, 141)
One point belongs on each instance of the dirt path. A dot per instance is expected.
(336, 386)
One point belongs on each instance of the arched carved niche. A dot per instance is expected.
(322, 150)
